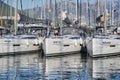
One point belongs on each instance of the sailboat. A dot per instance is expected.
(69, 42)
(63, 41)
(14, 43)
(103, 43)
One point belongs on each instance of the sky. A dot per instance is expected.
(31, 3)
(27, 4)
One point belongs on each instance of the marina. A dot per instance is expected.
(59, 39)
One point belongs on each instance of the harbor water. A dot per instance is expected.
(36, 66)
(106, 68)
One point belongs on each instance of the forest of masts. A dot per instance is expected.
(83, 11)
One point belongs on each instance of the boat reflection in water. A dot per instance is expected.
(106, 68)
(20, 67)
(33, 66)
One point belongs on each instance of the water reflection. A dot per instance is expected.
(20, 67)
(107, 68)
(34, 66)
(68, 67)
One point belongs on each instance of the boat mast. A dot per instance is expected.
(119, 14)
(41, 9)
(15, 18)
(44, 9)
(10, 24)
(98, 8)
(49, 16)
(105, 17)
(77, 9)
(66, 6)
(61, 10)
(80, 10)
(55, 12)
(112, 4)
(88, 14)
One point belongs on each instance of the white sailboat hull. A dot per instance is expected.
(11, 46)
(59, 46)
(103, 47)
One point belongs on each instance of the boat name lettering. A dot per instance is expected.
(7, 41)
(57, 42)
(106, 42)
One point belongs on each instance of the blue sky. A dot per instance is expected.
(34, 3)
(25, 3)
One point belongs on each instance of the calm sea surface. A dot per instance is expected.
(107, 68)
(35, 66)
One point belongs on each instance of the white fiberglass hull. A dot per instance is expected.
(103, 47)
(11, 46)
(60, 46)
